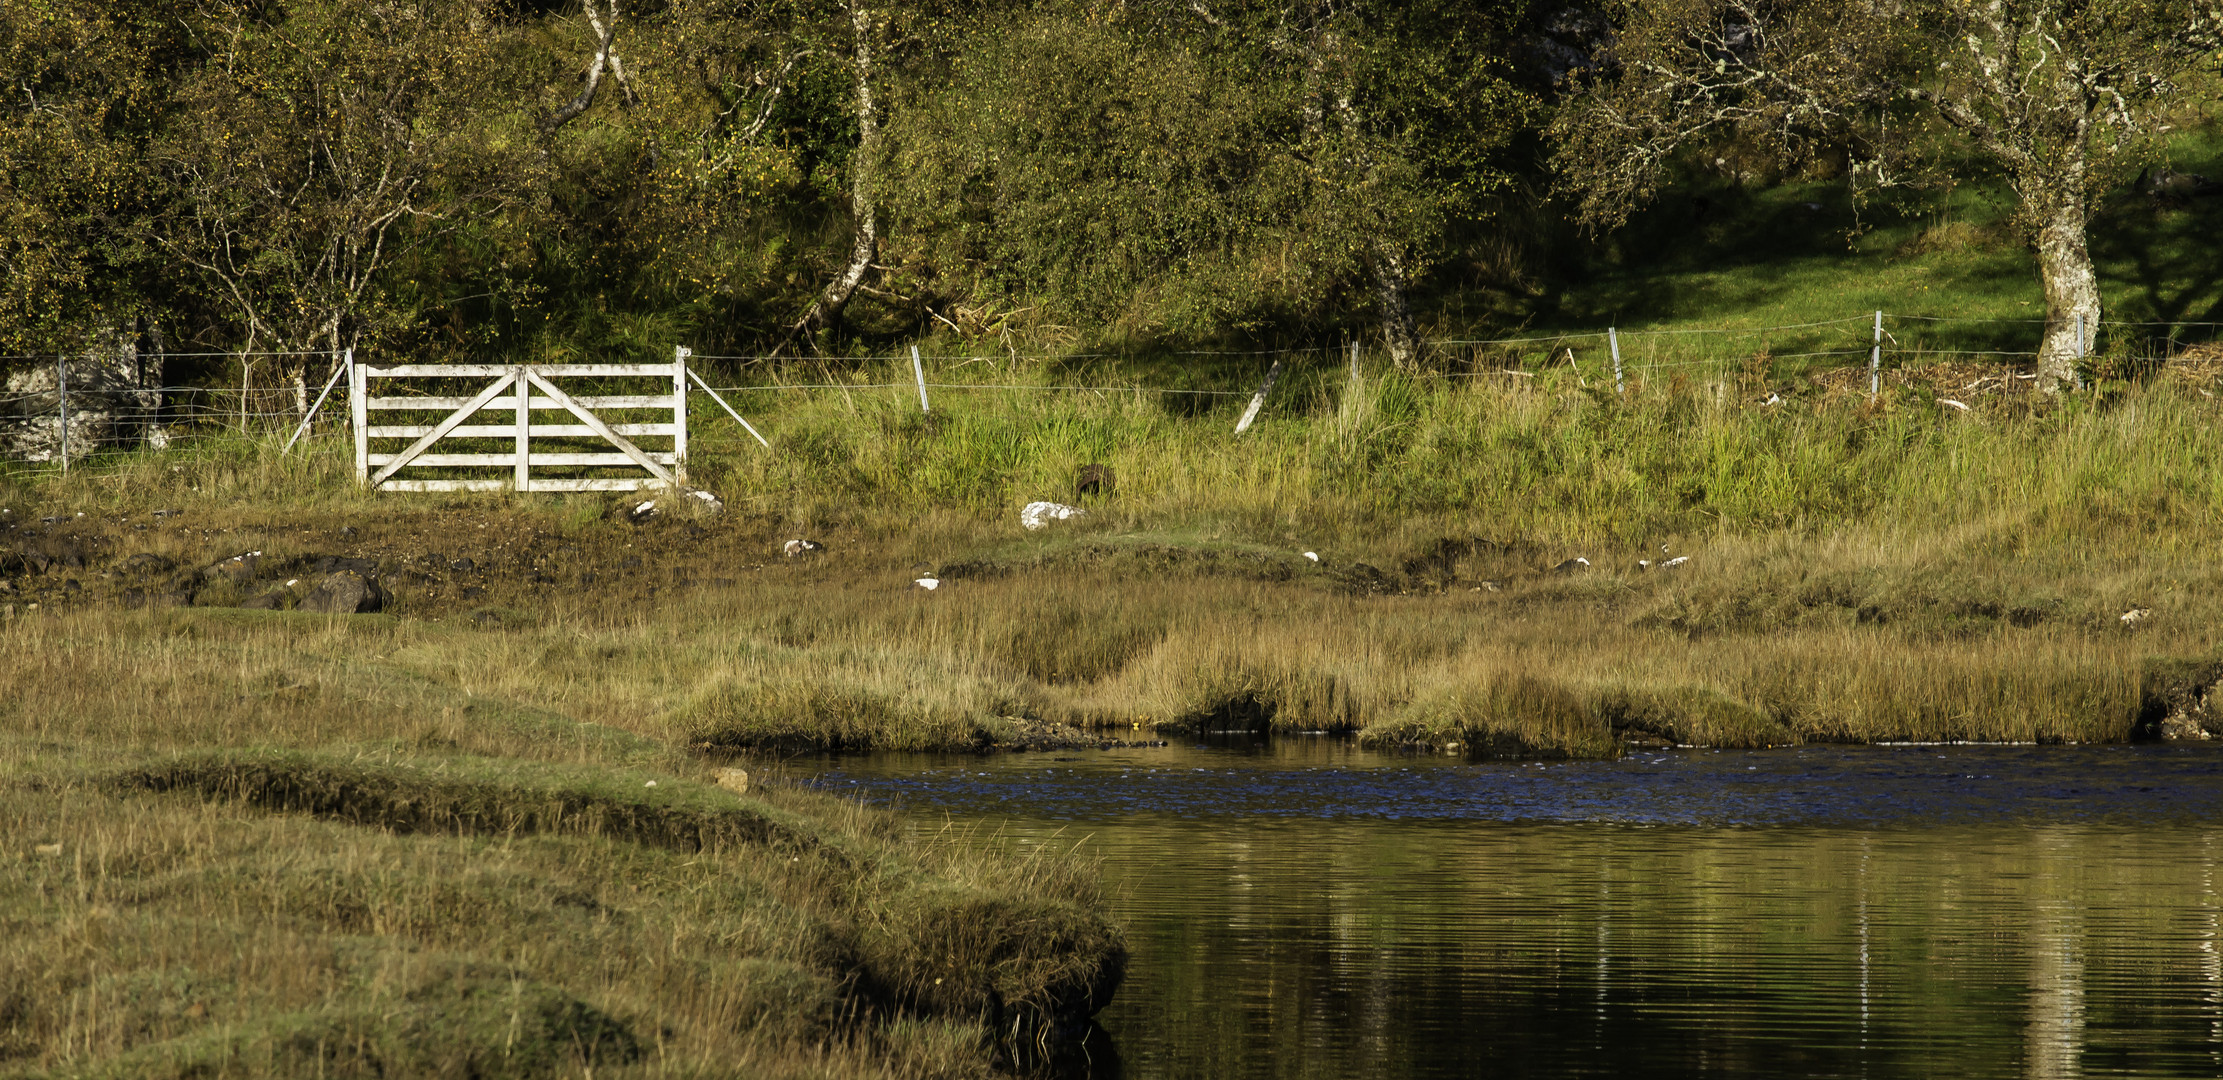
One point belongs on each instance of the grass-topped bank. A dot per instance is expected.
(477, 831)
(2022, 570)
(253, 844)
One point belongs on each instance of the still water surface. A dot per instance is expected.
(1300, 908)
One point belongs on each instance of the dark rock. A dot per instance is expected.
(42, 555)
(239, 569)
(1574, 565)
(147, 562)
(463, 566)
(1094, 480)
(345, 592)
(333, 564)
(274, 600)
(2180, 699)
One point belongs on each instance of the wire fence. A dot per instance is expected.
(54, 408)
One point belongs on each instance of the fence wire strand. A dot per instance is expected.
(276, 408)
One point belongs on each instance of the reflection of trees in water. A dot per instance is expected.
(1367, 948)
(2054, 1044)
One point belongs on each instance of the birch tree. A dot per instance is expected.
(315, 147)
(2065, 97)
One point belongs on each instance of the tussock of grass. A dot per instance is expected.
(478, 798)
(1689, 716)
(841, 698)
(1508, 715)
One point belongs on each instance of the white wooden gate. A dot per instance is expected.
(517, 390)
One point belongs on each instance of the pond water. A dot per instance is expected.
(1301, 908)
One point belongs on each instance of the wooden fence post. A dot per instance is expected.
(346, 364)
(1875, 360)
(1613, 341)
(61, 406)
(680, 353)
(1258, 400)
(523, 437)
(737, 418)
(358, 385)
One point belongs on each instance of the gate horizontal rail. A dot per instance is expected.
(517, 390)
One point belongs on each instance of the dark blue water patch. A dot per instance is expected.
(1320, 778)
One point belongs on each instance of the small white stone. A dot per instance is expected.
(927, 583)
(1039, 515)
(1674, 562)
(1313, 555)
(651, 783)
(2136, 615)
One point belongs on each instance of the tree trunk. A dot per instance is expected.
(1384, 262)
(864, 207)
(2072, 295)
(1397, 317)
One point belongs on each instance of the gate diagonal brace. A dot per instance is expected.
(595, 423)
(456, 418)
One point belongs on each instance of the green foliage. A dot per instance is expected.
(1169, 176)
(87, 84)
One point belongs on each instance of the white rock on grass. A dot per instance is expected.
(1039, 515)
(795, 548)
(927, 583)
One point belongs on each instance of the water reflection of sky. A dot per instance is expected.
(1321, 778)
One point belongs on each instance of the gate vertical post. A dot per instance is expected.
(679, 412)
(358, 407)
(524, 432)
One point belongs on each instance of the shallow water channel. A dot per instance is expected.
(1299, 907)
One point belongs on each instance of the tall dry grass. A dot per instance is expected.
(252, 845)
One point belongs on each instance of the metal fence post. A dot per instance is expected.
(1613, 341)
(918, 371)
